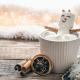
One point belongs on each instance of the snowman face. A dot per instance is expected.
(67, 19)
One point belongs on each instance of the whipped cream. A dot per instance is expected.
(57, 37)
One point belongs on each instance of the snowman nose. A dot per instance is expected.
(65, 17)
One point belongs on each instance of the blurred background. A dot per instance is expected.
(41, 12)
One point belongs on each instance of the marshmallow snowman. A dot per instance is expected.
(65, 25)
(66, 22)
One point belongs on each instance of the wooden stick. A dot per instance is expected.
(56, 30)
(75, 30)
(51, 29)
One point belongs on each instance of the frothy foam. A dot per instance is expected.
(64, 37)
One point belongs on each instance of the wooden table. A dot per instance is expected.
(7, 72)
(9, 57)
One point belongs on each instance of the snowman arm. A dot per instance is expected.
(74, 30)
(56, 30)
(51, 29)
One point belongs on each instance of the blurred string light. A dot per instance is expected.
(43, 4)
(12, 14)
(32, 13)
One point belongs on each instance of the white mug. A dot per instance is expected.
(62, 54)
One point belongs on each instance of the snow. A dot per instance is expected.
(21, 31)
(25, 31)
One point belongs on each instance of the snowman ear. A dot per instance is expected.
(63, 10)
(69, 10)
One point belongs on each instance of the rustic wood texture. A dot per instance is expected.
(7, 72)
(12, 52)
(19, 49)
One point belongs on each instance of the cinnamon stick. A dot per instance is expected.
(75, 30)
(51, 29)
(56, 30)
(26, 66)
(19, 65)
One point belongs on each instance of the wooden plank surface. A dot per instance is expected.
(10, 53)
(7, 72)
(18, 49)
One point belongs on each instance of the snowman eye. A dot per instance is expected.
(62, 15)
